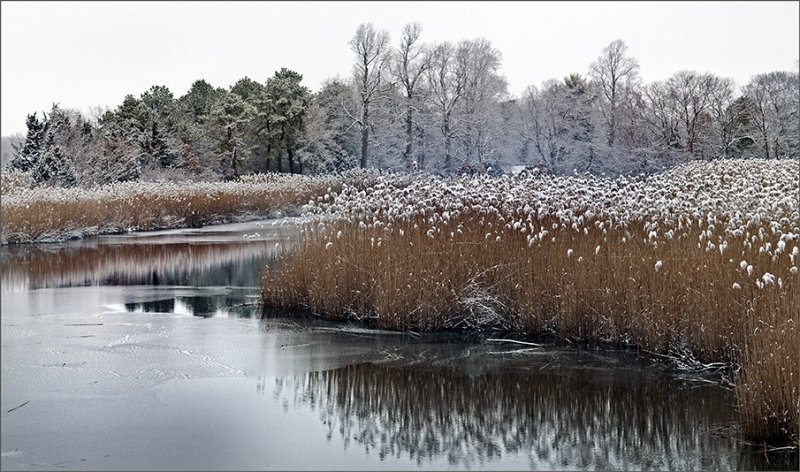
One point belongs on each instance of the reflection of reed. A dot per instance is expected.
(558, 421)
(129, 264)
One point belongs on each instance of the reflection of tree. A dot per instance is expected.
(204, 305)
(234, 264)
(571, 419)
(230, 303)
(156, 306)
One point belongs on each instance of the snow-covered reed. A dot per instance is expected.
(700, 258)
(13, 180)
(53, 214)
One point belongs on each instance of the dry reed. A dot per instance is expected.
(53, 214)
(700, 259)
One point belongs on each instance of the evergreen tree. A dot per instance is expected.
(280, 113)
(159, 142)
(128, 121)
(252, 93)
(247, 89)
(113, 159)
(229, 116)
(120, 154)
(194, 133)
(197, 102)
(27, 156)
(291, 101)
(54, 168)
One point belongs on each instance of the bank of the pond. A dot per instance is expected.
(700, 260)
(48, 214)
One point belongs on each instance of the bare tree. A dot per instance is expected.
(411, 62)
(660, 117)
(447, 86)
(466, 89)
(723, 118)
(371, 48)
(690, 94)
(479, 62)
(775, 109)
(615, 73)
(557, 121)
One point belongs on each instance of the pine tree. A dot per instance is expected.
(113, 159)
(229, 115)
(159, 142)
(30, 152)
(284, 106)
(198, 101)
(54, 168)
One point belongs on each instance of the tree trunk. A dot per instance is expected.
(468, 145)
(612, 132)
(421, 163)
(364, 137)
(409, 157)
(233, 153)
(613, 118)
(233, 163)
(279, 154)
(447, 155)
(290, 154)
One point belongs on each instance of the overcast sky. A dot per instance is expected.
(93, 54)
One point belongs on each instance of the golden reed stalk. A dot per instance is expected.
(594, 283)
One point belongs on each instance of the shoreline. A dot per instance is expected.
(294, 211)
(50, 214)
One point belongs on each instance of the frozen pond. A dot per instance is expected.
(148, 351)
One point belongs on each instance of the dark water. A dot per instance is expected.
(148, 351)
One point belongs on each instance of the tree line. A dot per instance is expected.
(443, 108)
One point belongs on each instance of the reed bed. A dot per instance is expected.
(701, 259)
(53, 214)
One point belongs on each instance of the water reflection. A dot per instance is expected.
(157, 306)
(232, 304)
(555, 419)
(34, 267)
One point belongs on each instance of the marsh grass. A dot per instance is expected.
(399, 259)
(52, 214)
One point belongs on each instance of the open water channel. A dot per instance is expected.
(150, 351)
